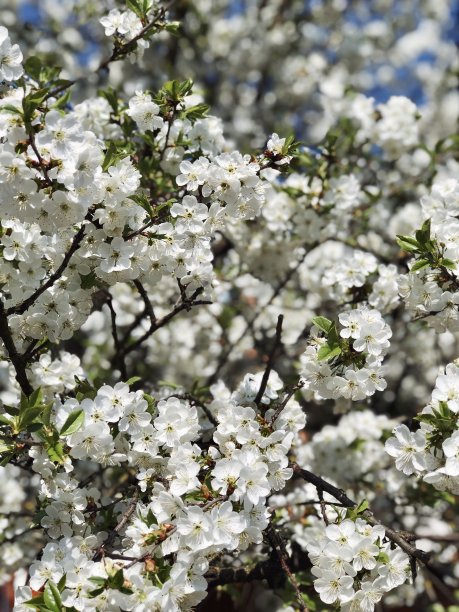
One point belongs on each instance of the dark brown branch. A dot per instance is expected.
(269, 365)
(146, 300)
(340, 495)
(286, 400)
(41, 161)
(139, 231)
(278, 547)
(18, 360)
(150, 552)
(118, 350)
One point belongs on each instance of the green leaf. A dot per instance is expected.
(6, 446)
(46, 413)
(383, 557)
(447, 263)
(172, 27)
(98, 580)
(333, 337)
(322, 323)
(33, 67)
(11, 410)
(5, 420)
(36, 602)
(61, 583)
(135, 7)
(96, 592)
(142, 201)
(419, 265)
(88, 281)
(327, 352)
(84, 389)
(36, 397)
(28, 416)
(51, 73)
(133, 380)
(408, 244)
(174, 91)
(150, 518)
(423, 234)
(64, 99)
(6, 459)
(52, 597)
(364, 505)
(151, 403)
(195, 112)
(112, 155)
(111, 96)
(72, 423)
(117, 580)
(36, 97)
(56, 452)
(11, 109)
(146, 5)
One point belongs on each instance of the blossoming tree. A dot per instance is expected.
(228, 355)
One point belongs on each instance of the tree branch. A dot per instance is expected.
(340, 495)
(183, 304)
(118, 350)
(121, 523)
(278, 547)
(269, 365)
(19, 361)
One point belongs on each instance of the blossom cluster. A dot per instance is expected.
(347, 365)
(432, 451)
(354, 564)
(430, 289)
(80, 184)
(195, 503)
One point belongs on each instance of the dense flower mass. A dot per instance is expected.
(432, 451)
(222, 346)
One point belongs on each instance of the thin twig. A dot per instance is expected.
(197, 402)
(251, 322)
(118, 52)
(184, 304)
(146, 300)
(278, 547)
(286, 400)
(121, 523)
(150, 552)
(269, 365)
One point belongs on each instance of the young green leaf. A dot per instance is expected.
(419, 265)
(322, 323)
(52, 597)
(72, 423)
